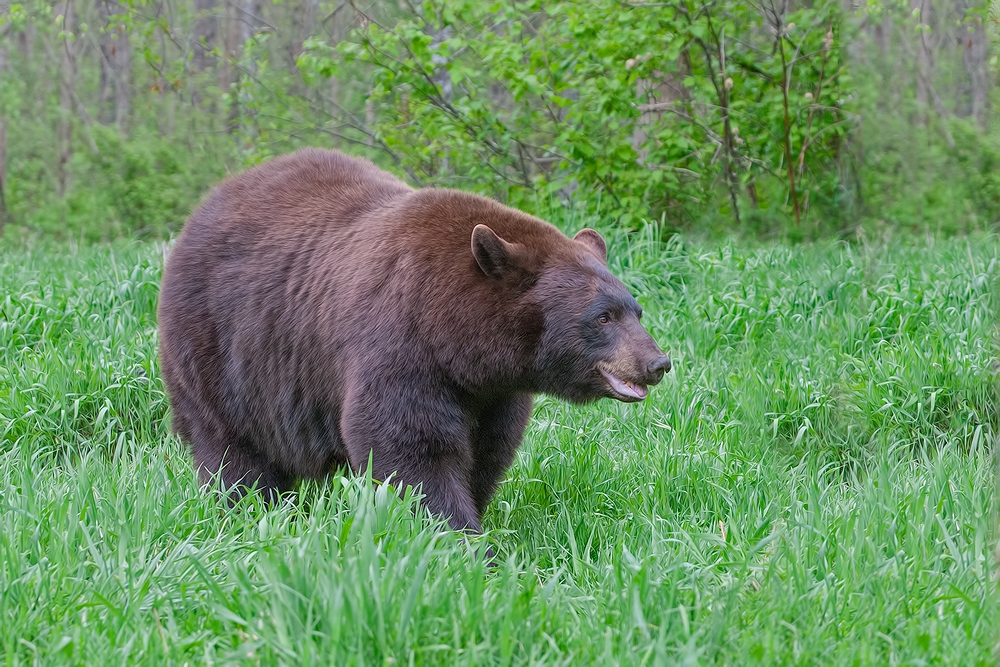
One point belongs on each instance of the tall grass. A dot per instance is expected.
(813, 483)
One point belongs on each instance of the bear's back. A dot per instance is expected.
(308, 188)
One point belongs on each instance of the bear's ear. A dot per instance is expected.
(594, 243)
(494, 256)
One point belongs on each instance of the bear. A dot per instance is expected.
(316, 311)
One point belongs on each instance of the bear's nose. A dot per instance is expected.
(657, 367)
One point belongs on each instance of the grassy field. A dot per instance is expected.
(813, 484)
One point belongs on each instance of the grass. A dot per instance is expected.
(813, 483)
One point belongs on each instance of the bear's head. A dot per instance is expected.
(592, 344)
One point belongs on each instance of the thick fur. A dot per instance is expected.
(316, 309)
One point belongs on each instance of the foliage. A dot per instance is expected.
(915, 180)
(637, 106)
(139, 181)
(794, 119)
(922, 165)
(140, 187)
(812, 483)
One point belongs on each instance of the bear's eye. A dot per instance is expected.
(604, 319)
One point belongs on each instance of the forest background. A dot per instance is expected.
(779, 118)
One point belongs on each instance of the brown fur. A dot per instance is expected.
(316, 309)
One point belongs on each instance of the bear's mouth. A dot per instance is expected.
(625, 390)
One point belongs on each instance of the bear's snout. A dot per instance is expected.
(637, 364)
(657, 368)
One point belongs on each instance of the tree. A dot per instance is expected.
(67, 83)
(115, 49)
(4, 58)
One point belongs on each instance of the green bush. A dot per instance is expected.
(683, 112)
(914, 180)
(151, 183)
(143, 186)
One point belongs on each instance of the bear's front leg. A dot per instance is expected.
(497, 437)
(418, 436)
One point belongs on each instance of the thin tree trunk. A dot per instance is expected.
(923, 61)
(926, 94)
(27, 40)
(976, 53)
(720, 83)
(168, 95)
(727, 130)
(785, 83)
(36, 86)
(656, 95)
(827, 45)
(228, 74)
(369, 119)
(335, 97)
(123, 79)
(106, 88)
(883, 32)
(116, 68)
(777, 18)
(64, 128)
(4, 56)
(442, 77)
(206, 27)
(304, 16)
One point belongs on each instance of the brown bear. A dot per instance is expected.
(315, 310)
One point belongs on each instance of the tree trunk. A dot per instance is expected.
(369, 119)
(116, 68)
(976, 53)
(303, 15)
(106, 87)
(206, 27)
(245, 19)
(656, 96)
(4, 54)
(64, 127)
(232, 31)
(883, 32)
(922, 10)
(168, 96)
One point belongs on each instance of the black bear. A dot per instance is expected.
(316, 309)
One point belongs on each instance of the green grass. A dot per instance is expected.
(813, 483)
